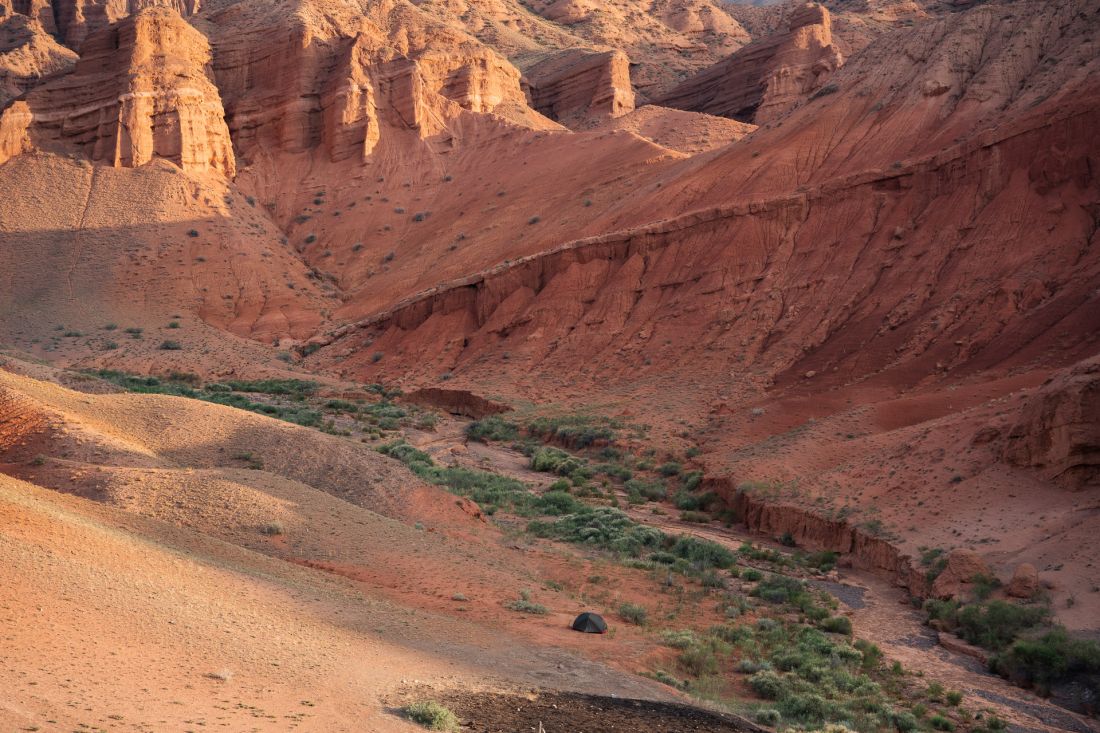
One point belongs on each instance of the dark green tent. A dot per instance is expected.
(590, 623)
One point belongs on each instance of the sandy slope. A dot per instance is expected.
(153, 536)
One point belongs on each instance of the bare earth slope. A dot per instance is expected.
(154, 536)
(865, 298)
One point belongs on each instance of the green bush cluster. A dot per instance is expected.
(297, 387)
(991, 624)
(575, 431)
(493, 427)
(633, 613)
(489, 490)
(610, 529)
(1049, 659)
(555, 460)
(814, 679)
(431, 715)
(181, 385)
(646, 490)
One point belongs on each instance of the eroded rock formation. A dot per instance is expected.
(27, 53)
(140, 91)
(1059, 430)
(290, 90)
(766, 78)
(577, 85)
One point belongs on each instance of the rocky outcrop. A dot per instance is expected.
(139, 92)
(456, 402)
(955, 644)
(1058, 432)
(27, 53)
(578, 85)
(77, 20)
(812, 530)
(962, 567)
(1024, 583)
(290, 90)
(768, 77)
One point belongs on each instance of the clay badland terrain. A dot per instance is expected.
(350, 348)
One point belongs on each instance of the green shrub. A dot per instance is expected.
(984, 585)
(823, 561)
(622, 473)
(782, 589)
(992, 624)
(1054, 657)
(679, 638)
(767, 684)
(698, 660)
(672, 468)
(767, 716)
(695, 517)
(837, 625)
(560, 484)
(557, 503)
(555, 460)
(431, 715)
(493, 427)
(489, 490)
(524, 604)
(576, 431)
(995, 624)
(293, 387)
(687, 501)
(650, 490)
(633, 613)
(712, 579)
(610, 529)
(170, 345)
(905, 722)
(872, 655)
(954, 698)
(939, 722)
(751, 574)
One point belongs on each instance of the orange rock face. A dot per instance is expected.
(573, 87)
(139, 92)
